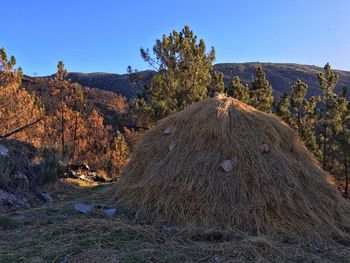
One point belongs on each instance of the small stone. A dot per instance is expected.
(264, 148)
(170, 229)
(227, 166)
(4, 151)
(167, 131)
(83, 208)
(110, 211)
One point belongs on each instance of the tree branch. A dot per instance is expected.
(21, 128)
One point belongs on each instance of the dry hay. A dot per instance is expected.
(272, 184)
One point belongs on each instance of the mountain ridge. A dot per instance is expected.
(280, 75)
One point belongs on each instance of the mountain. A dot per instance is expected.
(118, 83)
(280, 75)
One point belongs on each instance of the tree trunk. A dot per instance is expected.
(75, 135)
(325, 133)
(299, 123)
(20, 128)
(62, 130)
(333, 155)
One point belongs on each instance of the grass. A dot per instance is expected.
(8, 223)
(56, 233)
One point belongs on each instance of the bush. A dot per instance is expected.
(50, 167)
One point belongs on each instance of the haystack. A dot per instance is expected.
(220, 164)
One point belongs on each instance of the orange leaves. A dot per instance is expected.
(18, 106)
(72, 117)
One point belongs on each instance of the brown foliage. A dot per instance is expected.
(18, 106)
(72, 119)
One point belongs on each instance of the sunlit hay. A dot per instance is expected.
(175, 175)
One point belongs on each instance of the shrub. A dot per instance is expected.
(50, 167)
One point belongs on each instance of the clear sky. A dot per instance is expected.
(106, 35)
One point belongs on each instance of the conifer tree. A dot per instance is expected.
(70, 97)
(310, 120)
(283, 108)
(217, 83)
(327, 81)
(97, 143)
(183, 72)
(261, 92)
(61, 71)
(298, 101)
(238, 90)
(301, 114)
(59, 87)
(119, 153)
(342, 134)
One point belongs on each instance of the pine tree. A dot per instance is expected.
(238, 90)
(327, 81)
(342, 134)
(183, 72)
(283, 108)
(217, 83)
(77, 102)
(60, 86)
(119, 153)
(298, 101)
(261, 92)
(301, 114)
(96, 140)
(70, 97)
(310, 120)
(61, 71)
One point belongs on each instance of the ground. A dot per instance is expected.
(55, 232)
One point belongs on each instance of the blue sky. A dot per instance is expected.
(106, 35)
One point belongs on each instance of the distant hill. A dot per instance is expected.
(118, 83)
(280, 75)
(109, 104)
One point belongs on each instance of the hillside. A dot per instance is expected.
(118, 83)
(109, 104)
(280, 75)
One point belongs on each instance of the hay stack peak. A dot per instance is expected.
(225, 165)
